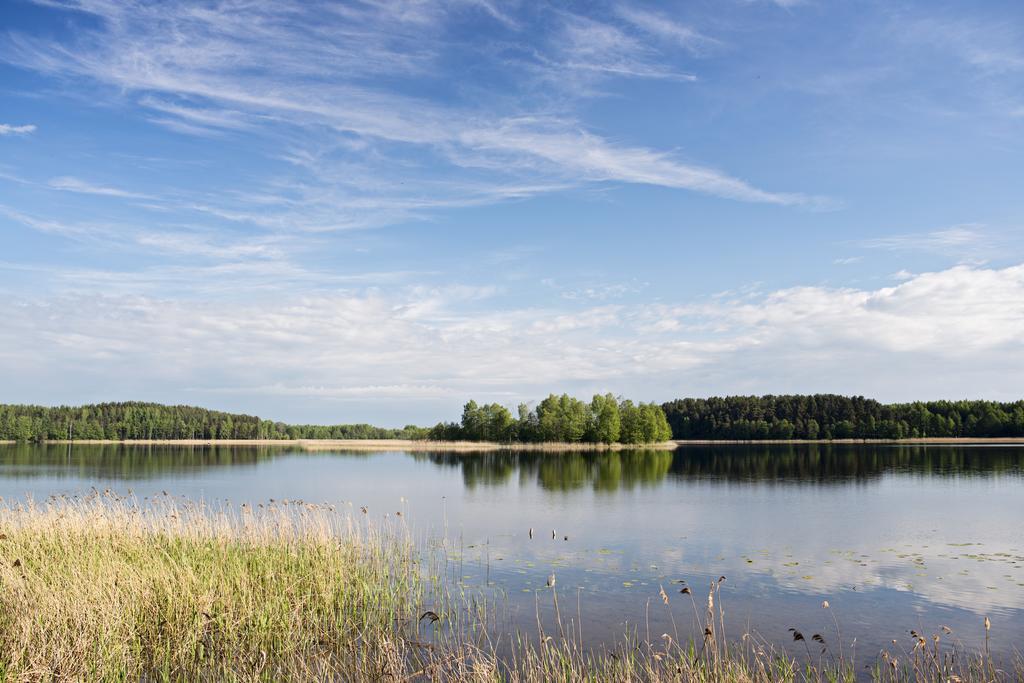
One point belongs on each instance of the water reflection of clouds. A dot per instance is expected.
(766, 517)
(993, 584)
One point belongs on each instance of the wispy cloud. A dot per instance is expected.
(166, 242)
(72, 184)
(312, 74)
(196, 120)
(589, 45)
(956, 238)
(992, 47)
(595, 158)
(660, 26)
(8, 129)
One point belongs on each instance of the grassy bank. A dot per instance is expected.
(108, 589)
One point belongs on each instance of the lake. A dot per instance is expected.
(896, 538)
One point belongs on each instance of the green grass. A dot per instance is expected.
(109, 589)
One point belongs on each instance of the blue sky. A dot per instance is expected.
(374, 210)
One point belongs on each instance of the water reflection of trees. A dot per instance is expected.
(600, 470)
(121, 461)
(828, 463)
(793, 463)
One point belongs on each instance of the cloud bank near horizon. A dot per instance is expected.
(933, 335)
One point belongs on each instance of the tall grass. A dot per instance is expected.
(110, 589)
(107, 589)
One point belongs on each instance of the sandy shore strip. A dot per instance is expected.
(471, 446)
(377, 444)
(484, 446)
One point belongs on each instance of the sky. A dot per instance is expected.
(373, 211)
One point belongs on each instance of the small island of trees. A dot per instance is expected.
(564, 419)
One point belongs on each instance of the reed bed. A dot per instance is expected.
(104, 588)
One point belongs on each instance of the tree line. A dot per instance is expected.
(605, 419)
(563, 418)
(135, 420)
(829, 416)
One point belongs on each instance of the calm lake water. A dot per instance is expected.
(894, 537)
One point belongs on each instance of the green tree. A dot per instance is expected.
(562, 418)
(472, 422)
(606, 422)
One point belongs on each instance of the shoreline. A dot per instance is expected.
(918, 441)
(314, 445)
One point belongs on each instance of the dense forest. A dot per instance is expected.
(605, 419)
(828, 416)
(117, 421)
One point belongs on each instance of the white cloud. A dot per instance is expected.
(8, 129)
(353, 393)
(889, 342)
